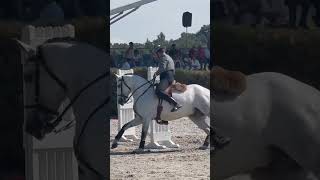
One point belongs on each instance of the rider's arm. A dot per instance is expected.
(162, 65)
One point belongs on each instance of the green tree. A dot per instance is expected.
(161, 40)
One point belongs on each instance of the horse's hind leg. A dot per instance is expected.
(200, 120)
(128, 125)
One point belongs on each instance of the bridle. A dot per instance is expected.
(127, 98)
(39, 61)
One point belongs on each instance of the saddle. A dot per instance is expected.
(174, 87)
(227, 83)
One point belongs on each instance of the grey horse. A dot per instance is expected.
(274, 125)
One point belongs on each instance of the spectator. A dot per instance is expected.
(192, 52)
(194, 64)
(129, 55)
(201, 57)
(207, 56)
(174, 52)
(137, 57)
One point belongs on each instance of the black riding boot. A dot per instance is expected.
(170, 100)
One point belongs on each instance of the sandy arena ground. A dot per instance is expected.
(186, 162)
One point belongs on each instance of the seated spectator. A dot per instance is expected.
(126, 65)
(195, 64)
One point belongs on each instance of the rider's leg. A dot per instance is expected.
(170, 100)
(165, 81)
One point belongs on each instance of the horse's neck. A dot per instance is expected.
(137, 82)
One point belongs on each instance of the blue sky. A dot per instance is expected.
(159, 16)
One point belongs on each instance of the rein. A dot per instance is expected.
(151, 82)
(40, 62)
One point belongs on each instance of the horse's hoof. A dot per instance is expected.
(114, 145)
(203, 147)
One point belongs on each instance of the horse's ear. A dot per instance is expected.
(29, 50)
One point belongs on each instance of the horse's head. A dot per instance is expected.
(42, 94)
(124, 88)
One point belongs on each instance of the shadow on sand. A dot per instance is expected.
(147, 151)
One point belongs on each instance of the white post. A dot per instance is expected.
(52, 157)
(160, 134)
(126, 113)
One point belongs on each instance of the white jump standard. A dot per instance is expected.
(126, 112)
(160, 135)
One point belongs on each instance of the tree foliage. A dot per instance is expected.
(186, 40)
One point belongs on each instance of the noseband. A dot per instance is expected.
(121, 89)
(40, 62)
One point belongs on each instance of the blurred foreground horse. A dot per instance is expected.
(273, 121)
(57, 70)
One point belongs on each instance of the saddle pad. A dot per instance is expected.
(227, 82)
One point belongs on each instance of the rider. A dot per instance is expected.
(166, 71)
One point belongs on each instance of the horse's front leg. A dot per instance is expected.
(145, 127)
(132, 123)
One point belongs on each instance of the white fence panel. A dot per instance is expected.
(51, 158)
(126, 113)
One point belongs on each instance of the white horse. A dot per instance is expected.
(63, 70)
(195, 101)
(274, 125)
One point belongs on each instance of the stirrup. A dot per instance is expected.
(162, 122)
